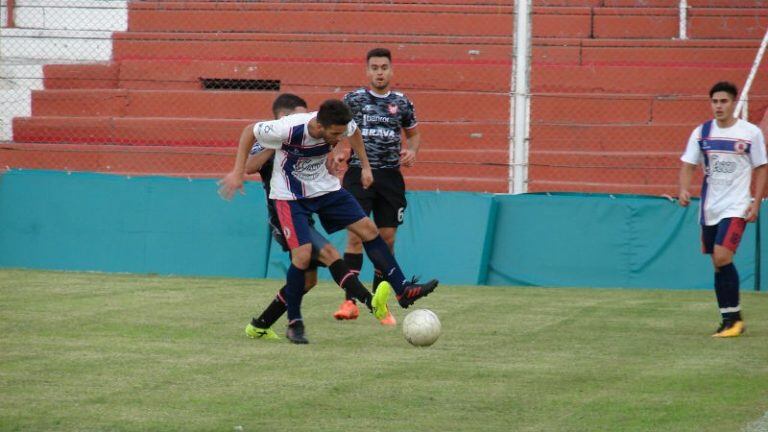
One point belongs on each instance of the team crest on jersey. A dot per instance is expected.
(740, 146)
(392, 108)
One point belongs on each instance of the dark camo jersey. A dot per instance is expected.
(381, 120)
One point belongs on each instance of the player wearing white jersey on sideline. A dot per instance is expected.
(301, 185)
(731, 151)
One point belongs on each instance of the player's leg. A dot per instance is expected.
(727, 236)
(340, 209)
(261, 327)
(388, 208)
(294, 221)
(353, 253)
(388, 214)
(347, 279)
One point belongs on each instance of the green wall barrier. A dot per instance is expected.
(761, 252)
(604, 241)
(84, 221)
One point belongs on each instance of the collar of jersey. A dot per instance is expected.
(374, 94)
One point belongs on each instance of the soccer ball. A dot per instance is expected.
(421, 327)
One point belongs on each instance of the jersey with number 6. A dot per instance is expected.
(381, 119)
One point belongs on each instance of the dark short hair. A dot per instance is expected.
(378, 52)
(287, 101)
(724, 86)
(334, 112)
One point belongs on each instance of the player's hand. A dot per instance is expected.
(231, 182)
(684, 198)
(335, 164)
(407, 157)
(366, 178)
(752, 211)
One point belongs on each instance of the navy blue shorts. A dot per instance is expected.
(337, 210)
(727, 233)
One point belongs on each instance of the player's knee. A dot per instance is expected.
(354, 243)
(310, 280)
(328, 254)
(720, 260)
(721, 256)
(301, 256)
(367, 230)
(388, 235)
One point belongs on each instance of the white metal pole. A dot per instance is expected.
(741, 106)
(683, 26)
(519, 118)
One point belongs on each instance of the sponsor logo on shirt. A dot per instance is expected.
(740, 147)
(308, 169)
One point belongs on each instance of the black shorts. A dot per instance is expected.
(385, 198)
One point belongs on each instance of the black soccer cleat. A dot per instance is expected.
(414, 291)
(295, 332)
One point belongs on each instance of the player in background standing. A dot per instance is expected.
(382, 115)
(731, 151)
(261, 160)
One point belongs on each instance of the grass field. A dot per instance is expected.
(125, 353)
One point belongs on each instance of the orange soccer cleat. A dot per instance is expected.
(347, 311)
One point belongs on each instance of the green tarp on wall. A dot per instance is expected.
(603, 241)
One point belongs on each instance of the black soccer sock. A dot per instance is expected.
(382, 259)
(294, 291)
(273, 312)
(377, 279)
(350, 283)
(355, 262)
(728, 297)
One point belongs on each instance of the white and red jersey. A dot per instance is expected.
(728, 156)
(299, 170)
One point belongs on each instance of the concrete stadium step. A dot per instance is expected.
(611, 138)
(654, 3)
(587, 109)
(255, 46)
(627, 110)
(104, 75)
(611, 168)
(691, 3)
(431, 106)
(661, 23)
(438, 139)
(664, 80)
(704, 52)
(321, 74)
(247, 46)
(207, 162)
(320, 18)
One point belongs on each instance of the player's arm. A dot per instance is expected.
(256, 161)
(413, 139)
(356, 142)
(691, 159)
(233, 181)
(761, 178)
(686, 175)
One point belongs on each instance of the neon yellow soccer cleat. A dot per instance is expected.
(254, 332)
(730, 329)
(380, 299)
